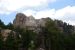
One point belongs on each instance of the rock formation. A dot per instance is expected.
(30, 22)
(20, 20)
(5, 33)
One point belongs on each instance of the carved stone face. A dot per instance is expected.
(20, 20)
(23, 21)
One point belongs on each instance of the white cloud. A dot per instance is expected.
(45, 13)
(40, 14)
(29, 12)
(4, 11)
(14, 5)
(67, 14)
(64, 11)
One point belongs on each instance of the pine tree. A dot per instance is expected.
(1, 42)
(2, 24)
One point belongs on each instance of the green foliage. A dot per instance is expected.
(26, 37)
(10, 41)
(51, 35)
(2, 24)
(1, 42)
(54, 39)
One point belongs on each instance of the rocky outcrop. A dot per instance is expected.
(20, 20)
(6, 32)
(30, 22)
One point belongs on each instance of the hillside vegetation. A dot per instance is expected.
(55, 35)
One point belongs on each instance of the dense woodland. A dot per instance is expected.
(51, 37)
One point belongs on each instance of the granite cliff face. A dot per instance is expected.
(20, 20)
(30, 22)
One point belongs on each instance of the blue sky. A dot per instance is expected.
(56, 9)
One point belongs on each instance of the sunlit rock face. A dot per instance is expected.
(23, 21)
(20, 20)
(5, 33)
(30, 22)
